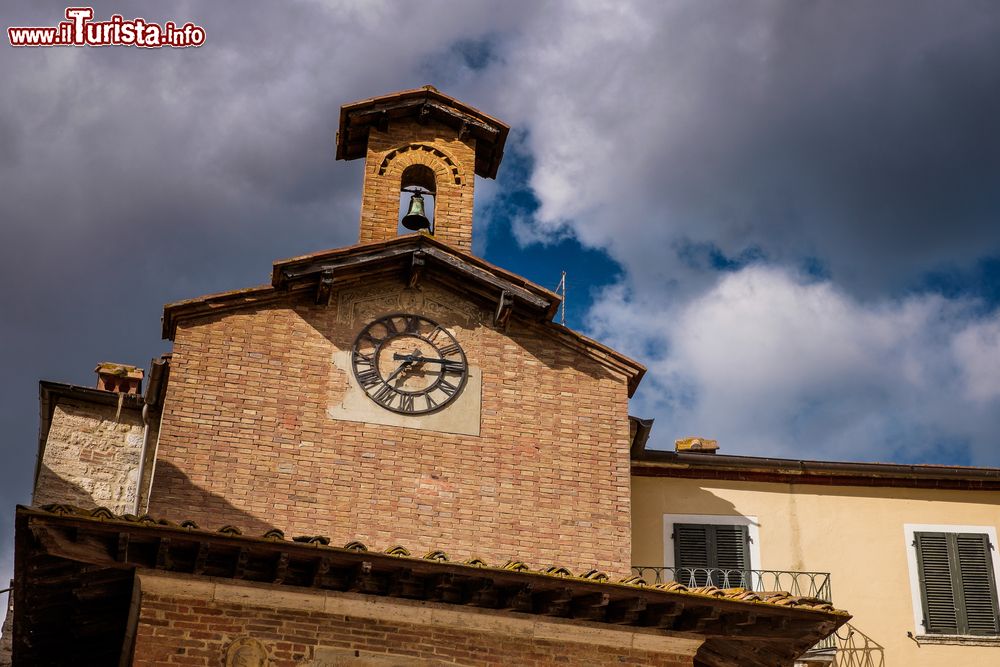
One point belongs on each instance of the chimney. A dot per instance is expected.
(121, 378)
(696, 445)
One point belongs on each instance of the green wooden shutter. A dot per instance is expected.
(732, 547)
(732, 553)
(977, 583)
(957, 586)
(691, 553)
(936, 590)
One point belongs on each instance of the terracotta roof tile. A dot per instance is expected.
(778, 598)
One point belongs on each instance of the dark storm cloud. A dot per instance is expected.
(690, 139)
(130, 178)
(861, 134)
(786, 185)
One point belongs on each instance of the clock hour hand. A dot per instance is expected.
(407, 360)
(396, 372)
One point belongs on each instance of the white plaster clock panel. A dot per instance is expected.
(360, 308)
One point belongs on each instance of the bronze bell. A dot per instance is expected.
(415, 219)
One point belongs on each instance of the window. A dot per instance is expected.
(712, 550)
(956, 579)
(718, 555)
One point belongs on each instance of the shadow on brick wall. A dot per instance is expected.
(176, 498)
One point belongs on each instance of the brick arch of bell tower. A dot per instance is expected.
(450, 158)
(398, 132)
(451, 184)
(397, 161)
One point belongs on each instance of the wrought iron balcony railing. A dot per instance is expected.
(809, 584)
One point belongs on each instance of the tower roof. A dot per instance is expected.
(423, 104)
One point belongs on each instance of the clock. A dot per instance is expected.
(409, 364)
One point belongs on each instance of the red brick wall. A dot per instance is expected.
(184, 631)
(451, 159)
(246, 440)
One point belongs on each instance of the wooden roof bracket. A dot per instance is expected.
(505, 306)
(417, 263)
(324, 288)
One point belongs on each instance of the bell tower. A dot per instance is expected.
(420, 141)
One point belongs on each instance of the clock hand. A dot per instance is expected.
(399, 370)
(412, 358)
(407, 360)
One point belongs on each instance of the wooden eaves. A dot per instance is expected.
(425, 105)
(412, 257)
(691, 465)
(75, 567)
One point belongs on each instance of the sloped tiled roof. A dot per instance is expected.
(93, 553)
(777, 598)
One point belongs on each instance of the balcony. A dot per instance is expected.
(807, 584)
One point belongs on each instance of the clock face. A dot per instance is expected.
(409, 364)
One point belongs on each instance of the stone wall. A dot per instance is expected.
(248, 438)
(91, 456)
(7, 631)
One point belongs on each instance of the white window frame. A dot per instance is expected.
(751, 522)
(909, 533)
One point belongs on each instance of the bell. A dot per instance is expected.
(415, 219)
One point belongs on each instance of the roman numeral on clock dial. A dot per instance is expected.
(450, 350)
(385, 395)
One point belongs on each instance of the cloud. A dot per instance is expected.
(712, 148)
(130, 178)
(977, 350)
(858, 134)
(772, 362)
(786, 187)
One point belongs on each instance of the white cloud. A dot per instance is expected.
(772, 364)
(855, 135)
(849, 138)
(977, 350)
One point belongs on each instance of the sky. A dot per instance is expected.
(787, 210)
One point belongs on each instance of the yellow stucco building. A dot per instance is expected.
(911, 550)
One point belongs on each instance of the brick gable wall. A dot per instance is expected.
(246, 439)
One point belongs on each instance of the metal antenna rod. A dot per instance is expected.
(561, 289)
